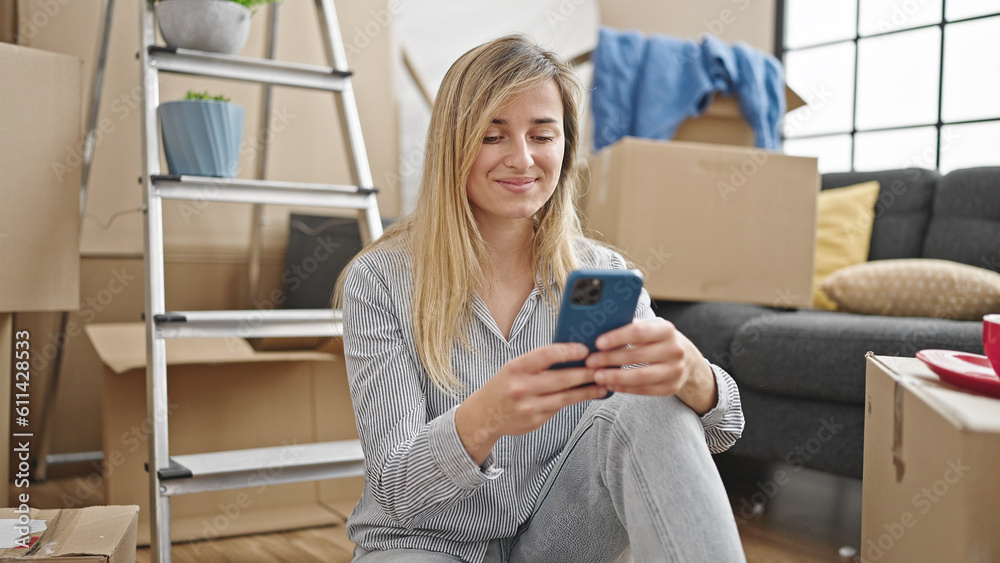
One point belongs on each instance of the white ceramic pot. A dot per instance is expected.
(219, 26)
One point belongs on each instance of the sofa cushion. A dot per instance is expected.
(916, 287)
(843, 232)
(821, 354)
(902, 211)
(965, 222)
(711, 325)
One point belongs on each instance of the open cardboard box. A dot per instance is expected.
(96, 534)
(709, 222)
(723, 123)
(223, 395)
(932, 451)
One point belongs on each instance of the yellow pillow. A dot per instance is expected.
(843, 233)
(916, 287)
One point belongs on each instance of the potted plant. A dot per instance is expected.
(202, 135)
(221, 26)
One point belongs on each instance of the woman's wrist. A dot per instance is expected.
(473, 431)
(700, 392)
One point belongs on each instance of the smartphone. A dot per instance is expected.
(594, 302)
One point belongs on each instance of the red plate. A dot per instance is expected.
(969, 371)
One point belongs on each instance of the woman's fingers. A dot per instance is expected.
(657, 352)
(635, 333)
(638, 343)
(554, 402)
(646, 380)
(541, 359)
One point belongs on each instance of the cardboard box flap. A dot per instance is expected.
(792, 100)
(95, 530)
(965, 409)
(122, 346)
(96, 533)
(728, 106)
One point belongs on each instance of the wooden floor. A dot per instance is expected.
(807, 517)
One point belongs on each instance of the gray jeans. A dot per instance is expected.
(635, 473)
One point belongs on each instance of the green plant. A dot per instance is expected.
(252, 4)
(192, 95)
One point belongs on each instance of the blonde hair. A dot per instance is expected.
(450, 258)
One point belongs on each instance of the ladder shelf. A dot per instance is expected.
(210, 471)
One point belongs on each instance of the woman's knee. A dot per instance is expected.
(636, 413)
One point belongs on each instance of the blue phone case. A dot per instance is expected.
(594, 302)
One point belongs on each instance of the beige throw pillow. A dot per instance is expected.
(915, 288)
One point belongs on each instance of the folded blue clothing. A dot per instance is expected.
(761, 91)
(661, 101)
(646, 87)
(619, 58)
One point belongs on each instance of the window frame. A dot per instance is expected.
(780, 50)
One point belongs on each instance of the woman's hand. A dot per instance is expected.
(523, 396)
(674, 364)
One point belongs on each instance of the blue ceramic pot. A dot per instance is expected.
(201, 137)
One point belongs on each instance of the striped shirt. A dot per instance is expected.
(422, 489)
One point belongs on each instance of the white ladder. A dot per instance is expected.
(178, 475)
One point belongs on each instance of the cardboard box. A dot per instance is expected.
(709, 222)
(723, 123)
(223, 395)
(98, 534)
(932, 450)
(8, 22)
(40, 184)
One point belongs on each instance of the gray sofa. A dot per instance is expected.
(802, 372)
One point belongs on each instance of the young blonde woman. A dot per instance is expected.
(474, 450)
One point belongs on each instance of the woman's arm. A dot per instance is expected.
(523, 396)
(662, 361)
(415, 467)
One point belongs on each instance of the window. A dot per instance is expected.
(893, 83)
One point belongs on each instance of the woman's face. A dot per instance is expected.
(520, 158)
